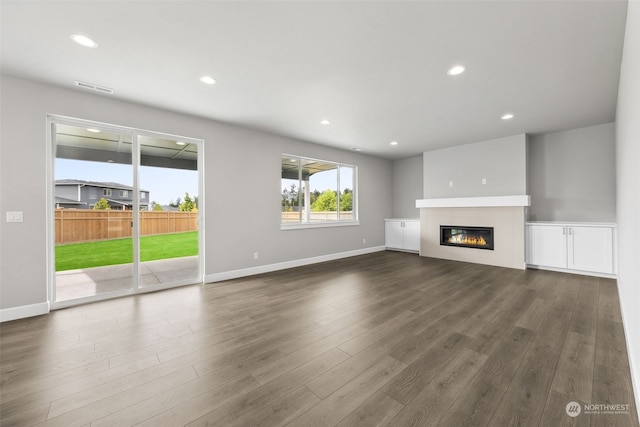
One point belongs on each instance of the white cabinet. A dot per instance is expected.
(590, 249)
(547, 245)
(402, 234)
(584, 248)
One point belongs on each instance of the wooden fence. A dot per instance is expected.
(80, 225)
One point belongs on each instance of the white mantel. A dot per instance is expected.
(475, 202)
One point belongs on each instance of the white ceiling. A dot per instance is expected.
(376, 70)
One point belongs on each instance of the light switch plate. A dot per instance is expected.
(14, 216)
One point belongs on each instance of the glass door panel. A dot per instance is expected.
(169, 188)
(93, 197)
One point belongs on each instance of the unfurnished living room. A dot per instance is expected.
(331, 213)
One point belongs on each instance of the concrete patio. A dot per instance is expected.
(72, 284)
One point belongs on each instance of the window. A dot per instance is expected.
(143, 195)
(124, 193)
(106, 192)
(317, 192)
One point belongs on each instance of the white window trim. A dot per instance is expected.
(329, 224)
(301, 225)
(106, 192)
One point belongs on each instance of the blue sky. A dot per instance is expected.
(163, 184)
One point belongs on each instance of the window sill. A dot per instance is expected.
(300, 226)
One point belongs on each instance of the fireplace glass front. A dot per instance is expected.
(466, 236)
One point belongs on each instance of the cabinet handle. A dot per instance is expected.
(570, 231)
(564, 230)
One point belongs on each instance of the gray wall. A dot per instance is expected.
(235, 158)
(502, 162)
(628, 185)
(572, 175)
(407, 187)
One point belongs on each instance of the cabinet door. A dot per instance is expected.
(412, 235)
(547, 245)
(393, 234)
(591, 249)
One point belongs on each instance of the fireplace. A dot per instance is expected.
(466, 236)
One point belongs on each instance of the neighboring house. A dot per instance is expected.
(79, 194)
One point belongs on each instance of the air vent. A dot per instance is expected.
(97, 88)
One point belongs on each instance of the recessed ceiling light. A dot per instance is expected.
(109, 161)
(83, 40)
(456, 70)
(393, 143)
(181, 143)
(507, 116)
(93, 130)
(325, 122)
(356, 149)
(208, 80)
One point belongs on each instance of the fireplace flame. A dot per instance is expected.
(465, 239)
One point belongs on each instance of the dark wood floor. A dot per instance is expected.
(382, 339)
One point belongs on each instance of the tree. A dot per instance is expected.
(327, 201)
(102, 204)
(313, 196)
(156, 207)
(187, 205)
(175, 204)
(289, 198)
(346, 200)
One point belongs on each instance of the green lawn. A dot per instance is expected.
(120, 251)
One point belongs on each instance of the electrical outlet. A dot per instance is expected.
(450, 183)
(255, 255)
(484, 180)
(364, 241)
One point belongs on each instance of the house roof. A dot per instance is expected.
(68, 201)
(125, 203)
(113, 185)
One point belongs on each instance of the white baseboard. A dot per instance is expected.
(565, 270)
(251, 271)
(13, 313)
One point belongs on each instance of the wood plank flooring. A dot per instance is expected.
(386, 339)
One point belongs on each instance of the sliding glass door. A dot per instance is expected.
(125, 211)
(168, 212)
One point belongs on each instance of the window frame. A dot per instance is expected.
(106, 192)
(304, 224)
